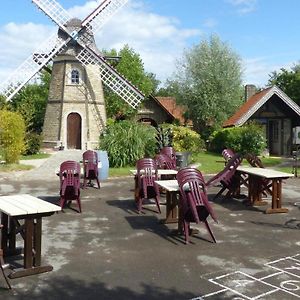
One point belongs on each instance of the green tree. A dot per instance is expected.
(12, 133)
(132, 68)
(288, 81)
(210, 79)
(31, 102)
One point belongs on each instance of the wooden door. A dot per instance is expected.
(74, 131)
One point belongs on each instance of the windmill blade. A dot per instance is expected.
(54, 11)
(111, 78)
(31, 66)
(102, 14)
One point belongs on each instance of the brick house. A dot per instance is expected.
(275, 111)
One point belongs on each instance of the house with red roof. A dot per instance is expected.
(158, 110)
(275, 111)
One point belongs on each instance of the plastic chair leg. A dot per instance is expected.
(98, 182)
(157, 203)
(79, 204)
(210, 231)
(2, 269)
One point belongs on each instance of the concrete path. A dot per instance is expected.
(111, 252)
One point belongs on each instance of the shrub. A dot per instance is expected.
(164, 137)
(33, 143)
(127, 141)
(246, 139)
(12, 132)
(186, 139)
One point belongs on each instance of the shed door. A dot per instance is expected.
(74, 131)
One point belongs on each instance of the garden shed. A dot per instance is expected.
(158, 110)
(275, 111)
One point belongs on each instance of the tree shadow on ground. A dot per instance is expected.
(69, 288)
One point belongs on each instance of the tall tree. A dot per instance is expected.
(210, 79)
(31, 102)
(131, 66)
(288, 81)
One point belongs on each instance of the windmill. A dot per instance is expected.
(75, 114)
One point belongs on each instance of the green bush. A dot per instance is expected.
(246, 139)
(127, 141)
(12, 132)
(186, 139)
(33, 143)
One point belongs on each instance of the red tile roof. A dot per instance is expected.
(245, 108)
(169, 104)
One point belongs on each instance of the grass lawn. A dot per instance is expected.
(35, 156)
(208, 163)
(14, 167)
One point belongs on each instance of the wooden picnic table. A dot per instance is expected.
(172, 191)
(255, 187)
(30, 211)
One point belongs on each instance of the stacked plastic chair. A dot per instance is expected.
(194, 205)
(70, 183)
(227, 154)
(90, 167)
(171, 154)
(227, 177)
(146, 177)
(163, 161)
(4, 266)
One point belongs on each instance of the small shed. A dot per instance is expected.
(276, 112)
(158, 110)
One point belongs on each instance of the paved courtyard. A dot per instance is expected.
(111, 252)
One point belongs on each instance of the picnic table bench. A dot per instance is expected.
(30, 211)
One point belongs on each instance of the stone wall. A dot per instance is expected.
(85, 98)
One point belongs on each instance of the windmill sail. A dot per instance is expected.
(102, 14)
(112, 78)
(54, 11)
(32, 65)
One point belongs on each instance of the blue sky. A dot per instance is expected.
(265, 33)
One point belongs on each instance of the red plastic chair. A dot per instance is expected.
(227, 154)
(170, 152)
(146, 176)
(70, 183)
(163, 161)
(4, 266)
(90, 167)
(227, 177)
(194, 205)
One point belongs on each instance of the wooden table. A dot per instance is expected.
(172, 191)
(29, 210)
(255, 186)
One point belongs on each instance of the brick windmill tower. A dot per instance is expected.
(75, 114)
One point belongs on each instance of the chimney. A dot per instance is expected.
(250, 90)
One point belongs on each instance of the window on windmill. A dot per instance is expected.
(75, 77)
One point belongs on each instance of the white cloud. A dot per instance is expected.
(257, 70)
(18, 41)
(243, 6)
(159, 40)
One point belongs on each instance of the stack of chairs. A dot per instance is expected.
(69, 175)
(227, 177)
(90, 168)
(194, 205)
(146, 177)
(4, 266)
